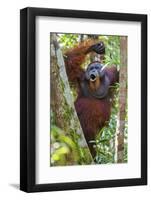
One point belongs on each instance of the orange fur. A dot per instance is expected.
(92, 112)
(74, 59)
(94, 85)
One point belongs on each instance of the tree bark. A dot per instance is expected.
(62, 103)
(119, 142)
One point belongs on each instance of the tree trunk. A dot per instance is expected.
(62, 103)
(119, 143)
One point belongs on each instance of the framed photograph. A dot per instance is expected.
(83, 99)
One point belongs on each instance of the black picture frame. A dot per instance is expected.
(28, 98)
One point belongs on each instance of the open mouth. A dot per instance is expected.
(92, 77)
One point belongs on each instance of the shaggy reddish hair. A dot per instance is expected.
(93, 113)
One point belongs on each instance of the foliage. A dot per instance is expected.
(126, 136)
(68, 40)
(65, 148)
(112, 51)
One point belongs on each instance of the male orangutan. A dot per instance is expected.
(93, 103)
